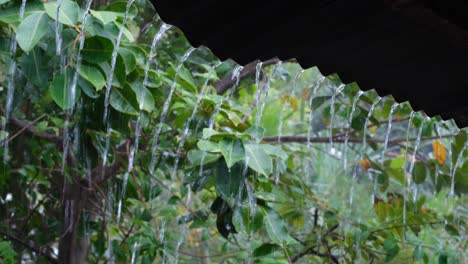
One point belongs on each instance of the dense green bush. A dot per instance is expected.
(293, 168)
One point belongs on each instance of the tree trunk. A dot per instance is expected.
(72, 246)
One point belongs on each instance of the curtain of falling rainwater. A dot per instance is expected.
(285, 162)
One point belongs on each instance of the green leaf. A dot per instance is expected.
(121, 6)
(105, 17)
(121, 100)
(35, 67)
(87, 88)
(258, 159)
(195, 157)
(418, 253)
(232, 150)
(419, 173)
(128, 59)
(228, 181)
(274, 225)
(391, 248)
(125, 32)
(143, 96)
(69, 11)
(276, 151)
(265, 249)
(4, 1)
(97, 49)
(452, 230)
(10, 15)
(93, 75)
(60, 89)
(31, 30)
(208, 146)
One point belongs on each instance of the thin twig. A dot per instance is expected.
(22, 130)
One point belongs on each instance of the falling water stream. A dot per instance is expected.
(332, 112)
(389, 130)
(11, 83)
(364, 145)
(348, 128)
(131, 159)
(164, 112)
(174, 238)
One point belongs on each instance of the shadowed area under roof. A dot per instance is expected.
(413, 50)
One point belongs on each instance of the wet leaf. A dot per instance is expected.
(121, 100)
(128, 59)
(143, 96)
(274, 225)
(60, 90)
(93, 75)
(391, 248)
(105, 17)
(69, 11)
(31, 30)
(232, 150)
(97, 49)
(258, 159)
(228, 181)
(419, 173)
(265, 249)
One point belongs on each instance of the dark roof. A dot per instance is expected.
(413, 50)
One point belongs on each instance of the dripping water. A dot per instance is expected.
(281, 118)
(407, 177)
(364, 145)
(69, 112)
(235, 75)
(162, 117)
(332, 112)
(110, 79)
(413, 159)
(186, 128)
(138, 128)
(263, 103)
(348, 127)
(389, 129)
(11, 82)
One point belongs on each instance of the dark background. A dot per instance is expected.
(413, 50)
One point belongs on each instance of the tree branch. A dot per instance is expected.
(29, 246)
(227, 82)
(303, 139)
(31, 129)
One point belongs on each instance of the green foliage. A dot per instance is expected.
(227, 191)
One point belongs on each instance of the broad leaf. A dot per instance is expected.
(60, 90)
(274, 225)
(97, 49)
(121, 100)
(144, 97)
(232, 150)
(31, 30)
(93, 75)
(105, 17)
(228, 180)
(128, 59)
(69, 11)
(258, 159)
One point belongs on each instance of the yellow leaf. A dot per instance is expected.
(365, 164)
(439, 152)
(284, 99)
(373, 129)
(293, 102)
